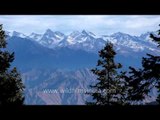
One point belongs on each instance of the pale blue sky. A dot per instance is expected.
(98, 24)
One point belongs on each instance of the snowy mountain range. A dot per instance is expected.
(88, 41)
(54, 60)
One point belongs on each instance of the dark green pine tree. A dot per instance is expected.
(155, 60)
(141, 81)
(156, 38)
(110, 88)
(11, 86)
(137, 86)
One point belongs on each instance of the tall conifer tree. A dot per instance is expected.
(110, 88)
(11, 86)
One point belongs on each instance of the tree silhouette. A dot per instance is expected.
(124, 88)
(138, 84)
(155, 71)
(110, 88)
(11, 86)
(156, 38)
(141, 81)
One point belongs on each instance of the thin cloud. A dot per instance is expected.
(99, 24)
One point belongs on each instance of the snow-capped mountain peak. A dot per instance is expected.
(86, 40)
(121, 35)
(145, 35)
(88, 33)
(35, 36)
(18, 34)
(59, 33)
(51, 39)
(84, 32)
(77, 37)
(74, 34)
(8, 33)
(49, 31)
(50, 34)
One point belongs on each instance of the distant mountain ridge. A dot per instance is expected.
(89, 41)
(54, 60)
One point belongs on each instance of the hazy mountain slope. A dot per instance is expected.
(54, 61)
